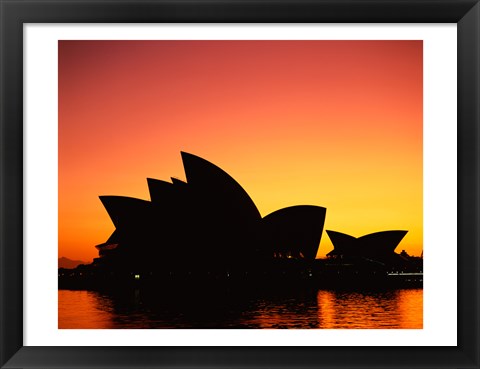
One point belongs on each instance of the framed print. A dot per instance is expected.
(229, 184)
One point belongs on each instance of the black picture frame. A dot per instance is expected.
(15, 13)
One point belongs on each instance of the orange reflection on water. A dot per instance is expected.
(410, 309)
(327, 309)
(401, 309)
(83, 310)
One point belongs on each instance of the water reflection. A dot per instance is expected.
(385, 309)
(328, 309)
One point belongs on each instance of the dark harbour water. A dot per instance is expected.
(327, 309)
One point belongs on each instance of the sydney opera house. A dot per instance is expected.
(208, 222)
(377, 246)
(209, 227)
(374, 250)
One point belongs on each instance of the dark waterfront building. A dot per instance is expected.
(208, 223)
(207, 232)
(369, 261)
(374, 245)
(376, 250)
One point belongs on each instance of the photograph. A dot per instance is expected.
(240, 184)
(224, 184)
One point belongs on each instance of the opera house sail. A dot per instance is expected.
(207, 223)
(375, 248)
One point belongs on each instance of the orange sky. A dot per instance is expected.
(330, 123)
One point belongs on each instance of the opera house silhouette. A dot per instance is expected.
(374, 251)
(377, 246)
(208, 223)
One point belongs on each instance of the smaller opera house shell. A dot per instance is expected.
(208, 222)
(378, 247)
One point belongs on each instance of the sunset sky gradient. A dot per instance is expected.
(330, 123)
